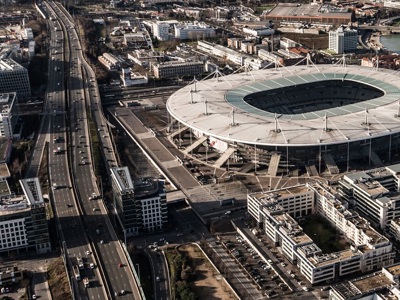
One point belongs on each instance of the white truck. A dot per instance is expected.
(86, 282)
(80, 263)
(77, 272)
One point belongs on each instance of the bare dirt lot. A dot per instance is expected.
(207, 284)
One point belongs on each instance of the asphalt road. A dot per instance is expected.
(66, 210)
(106, 244)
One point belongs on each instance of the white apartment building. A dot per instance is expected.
(197, 30)
(161, 30)
(223, 52)
(262, 31)
(23, 222)
(343, 40)
(14, 78)
(275, 211)
(140, 204)
(297, 201)
(375, 193)
(8, 114)
(394, 229)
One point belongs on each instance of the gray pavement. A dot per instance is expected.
(40, 285)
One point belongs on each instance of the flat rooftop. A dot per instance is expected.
(145, 187)
(307, 10)
(6, 101)
(364, 285)
(4, 171)
(327, 259)
(394, 270)
(369, 283)
(122, 178)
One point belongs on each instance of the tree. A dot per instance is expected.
(186, 273)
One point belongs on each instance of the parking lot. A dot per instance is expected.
(258, 270)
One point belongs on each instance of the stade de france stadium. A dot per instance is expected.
(291, 121)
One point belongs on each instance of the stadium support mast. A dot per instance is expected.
(216, 74)
(191, 96)
(326, 123)
(277, 130)
(398, 110)
(309, 62)
(366, 123)
(206, 110)
(326, 128)
(233, 118)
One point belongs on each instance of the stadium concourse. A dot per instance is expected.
(290, 121)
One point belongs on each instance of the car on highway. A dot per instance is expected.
(88, 252)
(91, 266)
(120, 265)
(123, 292)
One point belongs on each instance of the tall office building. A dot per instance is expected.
(8, 114)
(344, 39)
(23, 222)
(140, 205)
(14, 78)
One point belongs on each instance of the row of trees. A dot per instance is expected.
(181, 276)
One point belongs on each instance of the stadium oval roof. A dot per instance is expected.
(216, 107)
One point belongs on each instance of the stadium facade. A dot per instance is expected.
(292, 120)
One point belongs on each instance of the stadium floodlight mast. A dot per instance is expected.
(276, 130)
(398, 110)
(191, 96)
(233, 118)
(326, 128)
(206, 108)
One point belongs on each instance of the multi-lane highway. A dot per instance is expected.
(71, 229)
(85, 229)
(83, 106)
